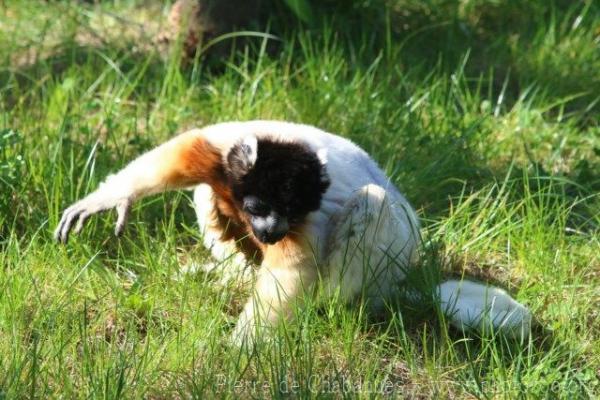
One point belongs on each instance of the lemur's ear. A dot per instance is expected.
(242, 156)
(250, 149)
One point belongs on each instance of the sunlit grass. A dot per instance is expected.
(499, 150)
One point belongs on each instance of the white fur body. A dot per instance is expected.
(359, 242)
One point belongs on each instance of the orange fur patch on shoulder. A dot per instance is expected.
(193, 160)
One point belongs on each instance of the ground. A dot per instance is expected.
(484, 112)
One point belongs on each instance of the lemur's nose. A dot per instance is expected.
(273, 237)
(272, 233)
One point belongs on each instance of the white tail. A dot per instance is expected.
(483, 308)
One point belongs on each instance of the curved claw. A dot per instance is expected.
(62, 231)
(70, 216)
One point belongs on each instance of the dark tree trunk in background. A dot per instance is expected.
(198, 21)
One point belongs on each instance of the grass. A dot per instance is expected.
(485, 113)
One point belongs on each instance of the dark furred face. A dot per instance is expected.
(276, 184)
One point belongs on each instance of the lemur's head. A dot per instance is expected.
(276, 184)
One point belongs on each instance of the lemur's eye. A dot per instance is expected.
(254, 206)
(257, 211)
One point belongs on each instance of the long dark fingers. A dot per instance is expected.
(66, 223)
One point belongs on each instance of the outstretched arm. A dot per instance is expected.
(186, 160)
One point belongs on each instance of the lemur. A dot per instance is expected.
(311, 207)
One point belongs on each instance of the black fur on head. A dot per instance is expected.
(287, 176)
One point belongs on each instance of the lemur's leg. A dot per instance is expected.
(228, 262)
(372, 243)
(286, 275)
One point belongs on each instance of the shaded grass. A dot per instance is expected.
(490, 129)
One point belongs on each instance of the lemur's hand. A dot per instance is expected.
(92, 204)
